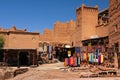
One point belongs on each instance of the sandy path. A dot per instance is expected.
(52, 72)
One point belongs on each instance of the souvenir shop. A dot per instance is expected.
(62, 53)
(73, 57)
(93, 51)
(51, 52)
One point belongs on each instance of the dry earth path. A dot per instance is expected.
(52, 72)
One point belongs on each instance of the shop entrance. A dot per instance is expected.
(62, 53)
(119, 61)
(118, 54)
(23, 59)
(1, 56)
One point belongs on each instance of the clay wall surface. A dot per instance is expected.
(89, 22)
(20, 39)
(114, 22)
(23, 40)
(61, 33)
(102, 30)
(48, 35)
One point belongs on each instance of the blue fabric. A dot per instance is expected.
(91, 57)
(97, 53)
(77, 49)
(49, 56)
(50, 49)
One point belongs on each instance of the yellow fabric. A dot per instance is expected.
(102, 58)
(85, 56)
(69, 53)
(89, 56)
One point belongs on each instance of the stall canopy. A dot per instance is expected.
(96, 41)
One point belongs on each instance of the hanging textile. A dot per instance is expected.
(66, 62)
(91, 58)
(78, 61)
(69, 53)
(95, 59)
(49, 56)
(75, 61)
(99, 58)
(77, 49)
(71, 61)
(49, 49)
(82, 56)
(85, 56)
(45, 48)
(97, 52)
(102, 58)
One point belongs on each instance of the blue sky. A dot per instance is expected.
(36, 15)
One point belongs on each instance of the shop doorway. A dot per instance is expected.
(118, 54)
(1, 56)
(23, 59)
(62, 53)
(119, 60)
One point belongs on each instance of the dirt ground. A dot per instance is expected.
(53, 72)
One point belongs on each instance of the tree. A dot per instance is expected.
(1, 41)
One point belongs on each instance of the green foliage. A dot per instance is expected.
(1, 41)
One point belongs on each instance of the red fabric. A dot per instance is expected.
(71, 61)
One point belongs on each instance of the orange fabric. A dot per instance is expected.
(71, 61)
(65, 63)
(85, 56)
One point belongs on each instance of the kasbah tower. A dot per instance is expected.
(86, 24)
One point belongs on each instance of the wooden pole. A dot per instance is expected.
(33, 58)
(18, 63)
(28, 57)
